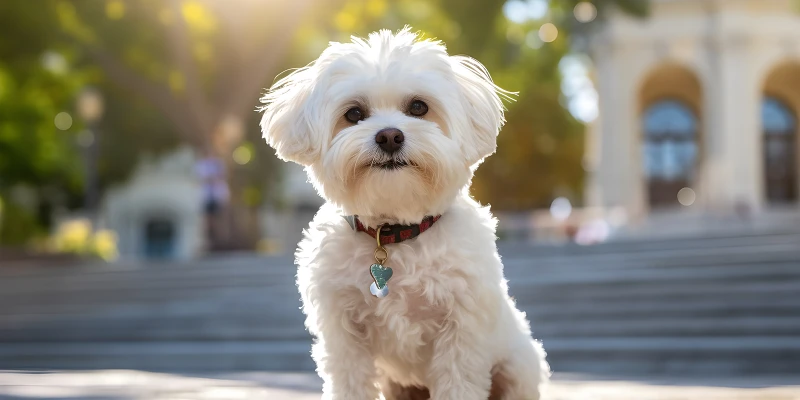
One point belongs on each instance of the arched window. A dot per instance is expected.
(780, 167)
(670, 150)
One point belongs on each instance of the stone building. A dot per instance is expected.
(698, 110)
(158, 213)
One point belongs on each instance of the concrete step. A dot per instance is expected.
(735, 239)
(228, 312)
(243, 324)
(146, 281)
(778, 288)
(561, 290)
(160, 356)
(676, 258)
(707, 356)
(289, 326)
(732, 272)
(221, 327)
(286, 323)
(691, 355)
(544, 255)
(698, 305)
(677, 327)
(708, 254)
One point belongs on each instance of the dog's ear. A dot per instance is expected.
(288, 122)
(482, 105)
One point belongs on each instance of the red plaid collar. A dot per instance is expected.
(394, 233)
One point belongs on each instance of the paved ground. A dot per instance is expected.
(122, 384)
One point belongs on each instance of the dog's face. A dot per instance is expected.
(387, 127)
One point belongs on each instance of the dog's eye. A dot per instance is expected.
(354, 115)
(417, 108)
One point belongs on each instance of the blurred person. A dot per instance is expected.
(216, 195)
(390, 130)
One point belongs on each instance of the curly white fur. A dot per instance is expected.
(448, 324)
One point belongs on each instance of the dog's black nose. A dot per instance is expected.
(390, 139)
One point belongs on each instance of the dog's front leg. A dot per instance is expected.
(346, 366)
(460, 368)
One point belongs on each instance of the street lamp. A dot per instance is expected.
(90, 107)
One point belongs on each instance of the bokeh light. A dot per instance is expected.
(585, 12)
(242, 155)
(54, 62)
(90, 104)
(63, 121)
(561, 208)
(85, 138)
(686, 196)
(548, 33)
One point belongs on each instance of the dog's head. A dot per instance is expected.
(390, 126)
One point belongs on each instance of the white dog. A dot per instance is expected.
(390, 130)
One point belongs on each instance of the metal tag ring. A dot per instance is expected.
(381, 259)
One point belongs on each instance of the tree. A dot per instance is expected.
(39, 165)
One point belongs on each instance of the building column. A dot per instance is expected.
(618, 179)
(732, 149)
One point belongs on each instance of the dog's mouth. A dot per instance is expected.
(391, 164)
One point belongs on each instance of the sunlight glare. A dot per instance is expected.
(578, 87)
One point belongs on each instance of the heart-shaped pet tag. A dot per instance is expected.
(380, 274)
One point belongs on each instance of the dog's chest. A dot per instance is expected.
(407, 304)
(403, 325)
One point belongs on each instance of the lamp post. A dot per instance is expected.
(90, 108)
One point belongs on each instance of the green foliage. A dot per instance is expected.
(32, 149)
(36, 84)
(17, 224)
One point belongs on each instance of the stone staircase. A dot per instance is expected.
(718, 305)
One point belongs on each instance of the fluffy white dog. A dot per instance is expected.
(390, 130)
